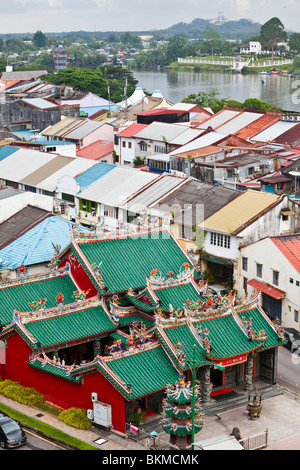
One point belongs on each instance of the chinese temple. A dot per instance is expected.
(118, 316)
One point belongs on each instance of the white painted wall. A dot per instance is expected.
(266, 253)
(13, 204)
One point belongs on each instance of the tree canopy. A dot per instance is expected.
(211, 100)
(96, 80)
(271, 33)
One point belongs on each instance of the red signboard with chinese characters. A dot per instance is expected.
(233, 361)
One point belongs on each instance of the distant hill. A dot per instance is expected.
(230, 29)
(240, 29)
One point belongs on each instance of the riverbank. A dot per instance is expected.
(218, 64)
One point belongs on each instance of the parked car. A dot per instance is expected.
(11, 433)
(217, 290)
(291, 341)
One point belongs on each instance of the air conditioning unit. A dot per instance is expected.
(236, 171)
(94, 396)
(257, 168)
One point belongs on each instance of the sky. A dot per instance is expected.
(22, 16)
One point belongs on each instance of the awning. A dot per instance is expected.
(216, 259)
(267, 289)
(287, 212)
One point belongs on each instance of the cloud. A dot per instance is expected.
(133, 15)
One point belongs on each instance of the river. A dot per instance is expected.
(280, 91)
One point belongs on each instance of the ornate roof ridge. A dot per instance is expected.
(44, 314)
(34, 278)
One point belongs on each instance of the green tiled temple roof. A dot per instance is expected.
(227, 338)
(260, 322)
(183, 335)
(70, 327)
(145, 306)
(144, 371)
(126, 262)
(17, 297)
(127, 320)
(177, 295)
(51, 369)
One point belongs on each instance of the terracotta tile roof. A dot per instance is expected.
(289, 245)
(258, 126)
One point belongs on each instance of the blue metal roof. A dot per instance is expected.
(36, 245)
(6, 150)
(94, 173)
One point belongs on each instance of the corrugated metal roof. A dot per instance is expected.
(116, 186)
(46, 170)
(160, 131)
(19, 222)
(186, 136)
(274, 131)
(39, 103)
(204, 141)
(155, 191)
(83, 129)
(36, 245)
(240, 211)
(23, 162)
(9, 192)
(218, 119)
(93, 174)
(5, 151)
(198, 200)
(61, 126)
(265, 121)
(72, 169)
(239, 122)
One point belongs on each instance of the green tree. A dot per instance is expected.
(294, 42)
(39, 39)
(212, 38)
(205, 100)
(271, 33)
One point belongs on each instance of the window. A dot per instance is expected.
(112, 212)
(30, 188)
(123, 144)
(296, 315)
(258, 270)
(297, 283)
(143, 147)
(129, 145)
(48, 193)
(12, 184)
(159, 149)
(245, 263)
(88, 206)
(218, 239)
(185, 232)
(229, 173)
(68, 197)
(156, 164)
(291, 280)
(275, 278)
